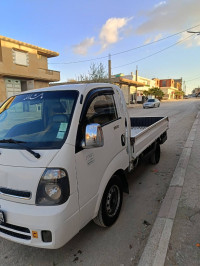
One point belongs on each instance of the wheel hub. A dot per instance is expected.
(113, 201)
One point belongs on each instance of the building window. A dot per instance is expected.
(20, 58)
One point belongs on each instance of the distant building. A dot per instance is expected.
(136, 92)
(196, 91)
(179, 84)
(23, 67)
(169, 87)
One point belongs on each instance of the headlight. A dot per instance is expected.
(53, 188)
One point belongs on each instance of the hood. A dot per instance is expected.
(20, 173)
(22, 158)
(19, 184)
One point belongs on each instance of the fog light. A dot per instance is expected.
(46, 236)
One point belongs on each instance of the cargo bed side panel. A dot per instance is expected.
(149, 130)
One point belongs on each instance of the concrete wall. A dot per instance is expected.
(37, 67)
(41, 84)
(2, 90)
(169, 92)
(31, 72)
(167, 83)
(126, 91)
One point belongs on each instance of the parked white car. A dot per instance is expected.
(151, 103)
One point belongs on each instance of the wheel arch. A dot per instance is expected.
(118, 166)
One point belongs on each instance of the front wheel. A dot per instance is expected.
(111, 203)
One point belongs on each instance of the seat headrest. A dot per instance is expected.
(100, 106)
(60, 118)
(57, 108)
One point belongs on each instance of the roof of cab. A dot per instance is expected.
(82, 88)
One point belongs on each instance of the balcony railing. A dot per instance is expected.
(52, 75)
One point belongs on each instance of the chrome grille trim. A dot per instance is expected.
(15, 193)
(15, 231)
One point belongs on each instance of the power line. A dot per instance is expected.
(143, 58)
(144, 45)
(192, 79)
(125, 51)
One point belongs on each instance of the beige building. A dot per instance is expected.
(23, 67)
(147, 83)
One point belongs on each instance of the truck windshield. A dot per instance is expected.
(41, 120)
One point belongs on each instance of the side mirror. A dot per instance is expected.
(93, 137)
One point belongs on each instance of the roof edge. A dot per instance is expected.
(41, 50)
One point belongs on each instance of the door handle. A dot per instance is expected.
(123, 139)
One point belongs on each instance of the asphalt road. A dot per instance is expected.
(123, 243)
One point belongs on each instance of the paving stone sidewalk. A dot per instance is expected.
(175, 236)
(184, 244)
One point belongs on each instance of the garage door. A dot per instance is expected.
(13, 87)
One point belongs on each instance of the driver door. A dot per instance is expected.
(92, 163)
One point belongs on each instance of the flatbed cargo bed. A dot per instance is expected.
(145, 131)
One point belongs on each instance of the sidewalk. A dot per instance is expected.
(175, 236)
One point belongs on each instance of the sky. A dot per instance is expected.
(135, 33)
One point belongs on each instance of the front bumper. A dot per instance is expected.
(148, 106)
(24, 224)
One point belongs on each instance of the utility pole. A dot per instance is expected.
(109, 68)
(136, 79)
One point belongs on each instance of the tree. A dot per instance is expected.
(96, 73)
(179, 94)
(157, 92)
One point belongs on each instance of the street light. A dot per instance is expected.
(197, 32)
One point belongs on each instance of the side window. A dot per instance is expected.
(102, 110)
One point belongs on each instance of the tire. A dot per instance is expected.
(155, 156)
(111, 203)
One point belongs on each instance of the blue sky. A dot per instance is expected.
(81, 30)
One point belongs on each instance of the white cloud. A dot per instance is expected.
(110, 31)
(82, 47)
(153, 39)
(170, 16)
(148, 41)
(157, 37)
(160, 4)
(189, 42)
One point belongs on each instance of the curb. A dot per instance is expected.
(156, 248)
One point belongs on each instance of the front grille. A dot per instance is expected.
(15, 231)
(15, 193)
(17, 228)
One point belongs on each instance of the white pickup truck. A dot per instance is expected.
(64, 155)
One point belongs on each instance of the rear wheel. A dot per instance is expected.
(155, 156)
(111, 203)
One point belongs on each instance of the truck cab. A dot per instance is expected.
(59, 149)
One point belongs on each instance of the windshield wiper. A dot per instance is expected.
(18, 142)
